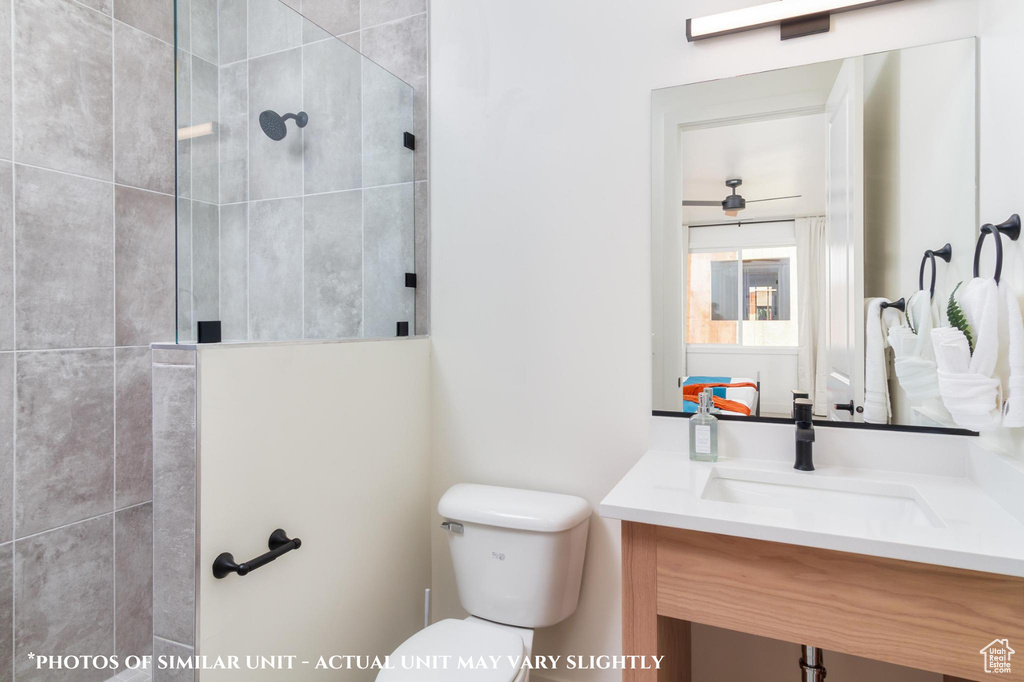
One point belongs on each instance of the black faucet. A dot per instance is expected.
(803, 414)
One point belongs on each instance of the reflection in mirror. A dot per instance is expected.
(792, 211)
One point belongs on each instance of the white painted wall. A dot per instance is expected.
(1001, 24)
(329, 441)
(540, 168)
(918, 194)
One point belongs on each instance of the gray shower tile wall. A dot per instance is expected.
(133, 566)
(332, 151)
(387, 211)
(143, 123)
(333, 235)
(275, 82)
(275, 270)
(272, 58)
(7, 606)
(86, 269)
(174, 496)
(63, 122)
(234, 272)
(64, 597)
(134, 427)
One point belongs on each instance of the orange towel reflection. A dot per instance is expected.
(691, 394)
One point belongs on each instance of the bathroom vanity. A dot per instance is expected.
(916, 560)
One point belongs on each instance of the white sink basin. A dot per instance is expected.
(872, 501)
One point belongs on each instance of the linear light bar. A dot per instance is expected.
(803, 17)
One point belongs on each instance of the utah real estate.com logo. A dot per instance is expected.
(997, 656)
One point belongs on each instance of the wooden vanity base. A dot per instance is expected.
(916, 615)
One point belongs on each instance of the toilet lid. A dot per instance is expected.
(458, 640)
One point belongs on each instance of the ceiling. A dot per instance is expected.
(776, 157)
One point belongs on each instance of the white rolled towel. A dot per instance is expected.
(878, 321)
(973, 400)
(916, 371)
(1013, 416)
(969, 391)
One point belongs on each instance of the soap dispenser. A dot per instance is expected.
(704, 430)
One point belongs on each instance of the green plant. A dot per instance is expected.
(958, 319)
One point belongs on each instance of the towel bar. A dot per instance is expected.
(279, 544)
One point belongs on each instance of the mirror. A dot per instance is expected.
(799, 218)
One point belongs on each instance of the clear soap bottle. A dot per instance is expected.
(704, 431)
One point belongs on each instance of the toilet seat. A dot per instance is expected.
(466, 639)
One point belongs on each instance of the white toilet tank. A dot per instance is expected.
(518, 554)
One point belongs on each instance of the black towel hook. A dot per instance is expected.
(1011, 229)
(900, 305)
(945, 253)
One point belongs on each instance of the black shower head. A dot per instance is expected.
(273, 123)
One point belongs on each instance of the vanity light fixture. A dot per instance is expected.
(796, 18)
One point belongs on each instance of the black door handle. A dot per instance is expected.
(279, 544)
(840, 407)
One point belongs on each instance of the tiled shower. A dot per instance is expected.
(88, 281)
(311, 236)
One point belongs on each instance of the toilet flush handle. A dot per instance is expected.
(453, 527)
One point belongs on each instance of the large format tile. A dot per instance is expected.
(144, 263)
(6, 447)
(162, 647)
(232, 25)
(273, 26)
(234, 133)
(65, 260)
(401, 48)
(64, 591)
(275, 270)
(134, 446)
(174, 502)
(387, 105)
(332, 149)
(388, 238)
(183, 262)
(155, 17)
(205, 151)
(183, 93)
(6, 607)
(6, 256)
(333, 17)
(422, 243)
(376, 12)
(5, 79)
(143, 110)
(205, 262)
(203, 29)
(133, 566)
(333, 277)
(234, 272)
(104, 6)
(64, 458)
(62, 87)
(275, 167)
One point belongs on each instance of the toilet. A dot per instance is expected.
(518, 558)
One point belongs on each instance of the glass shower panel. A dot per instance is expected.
(295, 179)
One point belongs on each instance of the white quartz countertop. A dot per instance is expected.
(966, 529)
